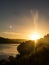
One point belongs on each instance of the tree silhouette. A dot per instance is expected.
(27, 56)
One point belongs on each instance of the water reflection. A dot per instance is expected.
(8, 49)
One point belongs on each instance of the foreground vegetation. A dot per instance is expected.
(29, 54)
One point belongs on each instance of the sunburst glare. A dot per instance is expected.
(35, 36)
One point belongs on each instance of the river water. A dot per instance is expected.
(8, 50)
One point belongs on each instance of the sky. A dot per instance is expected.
(21, 18)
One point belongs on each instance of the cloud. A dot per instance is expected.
(11, 33)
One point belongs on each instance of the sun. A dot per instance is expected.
(35, 36)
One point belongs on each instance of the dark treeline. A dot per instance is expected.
(29, 54)
(9, 41)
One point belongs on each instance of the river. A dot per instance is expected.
(8, 50)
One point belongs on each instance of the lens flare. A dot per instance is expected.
(35, 36)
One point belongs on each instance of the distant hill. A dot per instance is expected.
(6, 40)
(41, 40)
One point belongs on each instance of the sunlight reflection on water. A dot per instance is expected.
(8, 49)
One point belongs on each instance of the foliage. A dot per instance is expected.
(29, 54)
